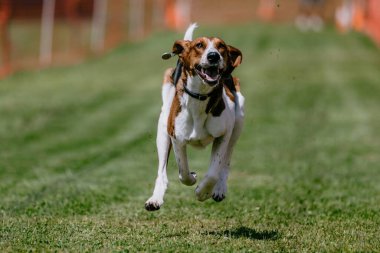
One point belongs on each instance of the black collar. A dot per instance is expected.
(201, 97)
(177, 74)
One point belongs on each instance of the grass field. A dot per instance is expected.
(78, 159)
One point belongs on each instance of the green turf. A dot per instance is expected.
(78, 159)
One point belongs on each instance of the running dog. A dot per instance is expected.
(202, 103)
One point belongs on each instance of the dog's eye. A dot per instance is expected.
(222, 46)
(199, 45)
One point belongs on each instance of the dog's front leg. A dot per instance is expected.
(163, 150)
(205, 189)
(186, 177)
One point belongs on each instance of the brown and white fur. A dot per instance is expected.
(187, 120)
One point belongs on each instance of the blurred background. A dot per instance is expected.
(40, 33)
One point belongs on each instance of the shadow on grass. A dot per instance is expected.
(249, 233)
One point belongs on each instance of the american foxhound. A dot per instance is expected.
(202, 103)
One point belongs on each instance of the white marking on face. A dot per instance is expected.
(210, 49)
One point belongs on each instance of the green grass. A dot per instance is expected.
(78, 159)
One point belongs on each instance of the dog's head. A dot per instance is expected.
(209, 58)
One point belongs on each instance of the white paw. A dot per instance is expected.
(204, 189)
(190, 180)
(153, 204)
(220, 191)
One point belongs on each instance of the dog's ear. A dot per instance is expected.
(180, 46)
(236, 56)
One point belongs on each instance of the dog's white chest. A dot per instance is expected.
(190, 124)
(194, 126)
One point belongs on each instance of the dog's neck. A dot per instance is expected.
(214, 104)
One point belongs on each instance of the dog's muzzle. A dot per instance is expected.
(210, 74)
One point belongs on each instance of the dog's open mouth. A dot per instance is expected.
(209, 74)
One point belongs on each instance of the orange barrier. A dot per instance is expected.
(265, 10)
(177, 14)
(360, 15)
(373, 20)
(5, 12)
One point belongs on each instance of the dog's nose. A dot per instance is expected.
(213, 57)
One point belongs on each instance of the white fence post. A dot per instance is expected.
(158, 19)
(47, 25)
(136, 18)
(98, 25)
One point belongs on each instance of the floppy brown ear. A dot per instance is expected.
(236, 56)
(179, 46)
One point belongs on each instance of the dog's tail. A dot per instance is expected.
(190, 31)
